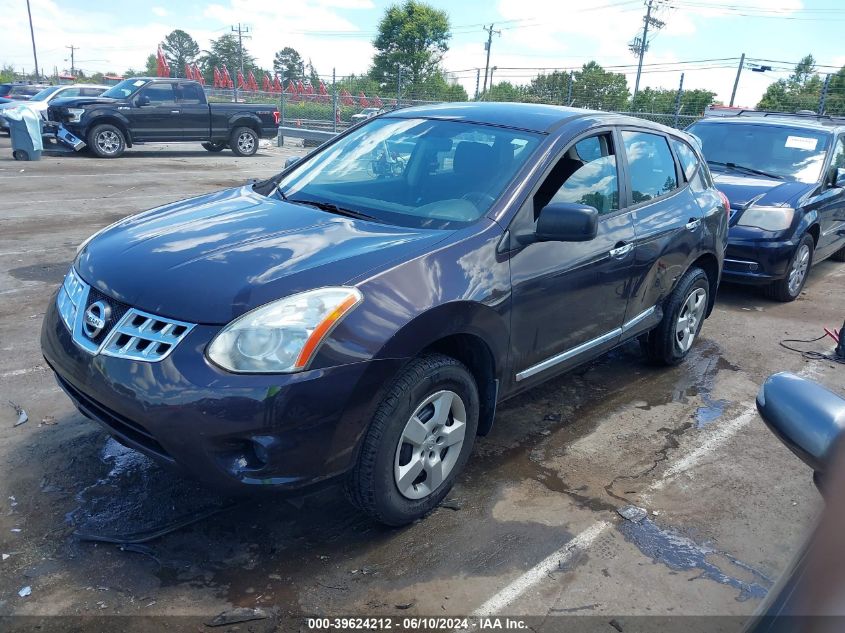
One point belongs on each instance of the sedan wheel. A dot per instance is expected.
(790, 286)
(689, 319)
(430, 444)
(798, 271)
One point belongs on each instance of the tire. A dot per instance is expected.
(107, 141)
(387, 455)
(214, 147)
(668, 344)
(839, 255)
(789, 288)
(244, 141)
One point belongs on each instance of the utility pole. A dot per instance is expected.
(823, 97)
(487, 46)
(678, 100)
(736, 81)
(477, 81)
(569, 88)
(399, 87)
(639, 45)
(72, 66)
(32, 34)
(240, 30)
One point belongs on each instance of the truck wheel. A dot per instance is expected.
(106, 141)
(419, 440)
(244, 141)
(683, 314)
(788, 288)
(214, 147)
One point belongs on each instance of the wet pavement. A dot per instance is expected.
(531, 527)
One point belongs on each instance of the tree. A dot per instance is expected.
(594, 87)
(288, 64)
(800, 91)
(224, 50)
(151, 70)
(549, 88)
(662, 101)
(179, 49)
(412, 38)
(505, 91)
(312, 73)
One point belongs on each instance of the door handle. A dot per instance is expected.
(693, 224)
(175, 111)
(621, 250)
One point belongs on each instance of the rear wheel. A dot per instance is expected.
(107, 141)
(214, 147)
(244, 141)
(419, 440)
(683, 315)
(790, 287)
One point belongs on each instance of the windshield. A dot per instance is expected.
(785, 152)
(124, 88)
(45, 94)
(414, 172)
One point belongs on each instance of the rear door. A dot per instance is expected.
(668, 221)
(569, 298)
(195, 113)
(160, 118)
(830, 205)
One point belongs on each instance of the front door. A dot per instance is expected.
(195, 112)
(830, 205)
(569, 298)
(157, 115)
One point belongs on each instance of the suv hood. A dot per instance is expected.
(743, 190)
(212, 258)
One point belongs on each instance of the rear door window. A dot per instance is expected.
(190, 94)
(651, 166)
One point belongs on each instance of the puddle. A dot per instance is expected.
(711, 411)
(680, 553)
(49, 273)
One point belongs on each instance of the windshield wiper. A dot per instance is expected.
(330, 207)
(748, 170)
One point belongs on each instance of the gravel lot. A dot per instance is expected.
(530, 529)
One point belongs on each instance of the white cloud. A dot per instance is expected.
(160, 11)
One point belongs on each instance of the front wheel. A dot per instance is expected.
(790, 287)
(683, 315)
(244, 141)
(419, 440)
(107, 141)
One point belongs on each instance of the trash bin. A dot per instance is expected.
(25, 129)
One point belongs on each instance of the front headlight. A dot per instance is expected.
(75, 114)
(282, 336)
(767, 218)
(70, 298)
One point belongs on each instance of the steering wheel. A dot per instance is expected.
(479, 199)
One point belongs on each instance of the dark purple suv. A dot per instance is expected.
(360, 315)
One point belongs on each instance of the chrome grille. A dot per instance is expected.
(143, 336)
(129, 333)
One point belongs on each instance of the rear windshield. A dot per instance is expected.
(789, 153)
(414, 172)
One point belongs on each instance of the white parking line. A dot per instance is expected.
(513, 591)
(21, 372)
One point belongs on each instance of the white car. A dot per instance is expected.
(41, 101)
(366, 113)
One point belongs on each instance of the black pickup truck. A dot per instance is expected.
(147, 109)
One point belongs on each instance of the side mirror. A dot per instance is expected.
(292, 160)
(837, 177)
(143, 100)
(567, 222)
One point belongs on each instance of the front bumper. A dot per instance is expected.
(233, 432)
(757, 261)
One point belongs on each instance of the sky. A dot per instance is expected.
(534, 34)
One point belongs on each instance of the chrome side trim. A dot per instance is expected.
(642, 316)
(834, 229)
(744, 262)
(570, 353)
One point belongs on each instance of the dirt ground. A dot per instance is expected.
(530, 529)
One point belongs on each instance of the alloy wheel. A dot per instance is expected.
(798, 271)
(430, 444)
(246, 142)
(108, 142)
(689, 318)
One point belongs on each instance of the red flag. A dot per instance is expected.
(200, 77)
(227, 78)
(189, 72)
(323, 93)
(346, 98)
(309, 92)
(216, 77)
(251, 84)
(377, 102)
(277, 85)
(162, 68)
(266, 86)
(241, 81)
(300, 88)
(294, 95)
(362, 100)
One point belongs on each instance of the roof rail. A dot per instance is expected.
(800, 114)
